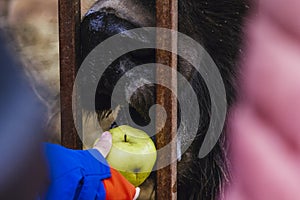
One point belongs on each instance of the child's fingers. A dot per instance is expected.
(103, 145)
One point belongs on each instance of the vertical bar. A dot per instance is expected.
(69, 48)
(4, 6)
(167, 17)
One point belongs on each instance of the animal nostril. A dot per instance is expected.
(100, 25)
(145, 54)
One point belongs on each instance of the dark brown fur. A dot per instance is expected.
(215, 24)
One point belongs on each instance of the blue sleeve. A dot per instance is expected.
(75, 174)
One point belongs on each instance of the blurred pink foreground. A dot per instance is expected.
(265, 124)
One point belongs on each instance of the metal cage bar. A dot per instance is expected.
(69, 48)
(69, 28)
(167, 17)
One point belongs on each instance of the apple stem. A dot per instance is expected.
(125, 138)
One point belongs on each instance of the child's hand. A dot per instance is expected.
(117, 187)
(104, 144)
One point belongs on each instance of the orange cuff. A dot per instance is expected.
(117, 187)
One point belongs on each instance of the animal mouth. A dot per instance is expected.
(96, 27)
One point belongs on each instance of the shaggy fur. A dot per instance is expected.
(217, 26)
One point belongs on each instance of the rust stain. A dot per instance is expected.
(167, 17)
(69, 48)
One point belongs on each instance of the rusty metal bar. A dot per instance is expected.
(167, 17)
(69, 48)
(4, 6)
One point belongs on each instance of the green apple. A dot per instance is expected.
(133, 153)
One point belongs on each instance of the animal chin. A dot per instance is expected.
(132, 108)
